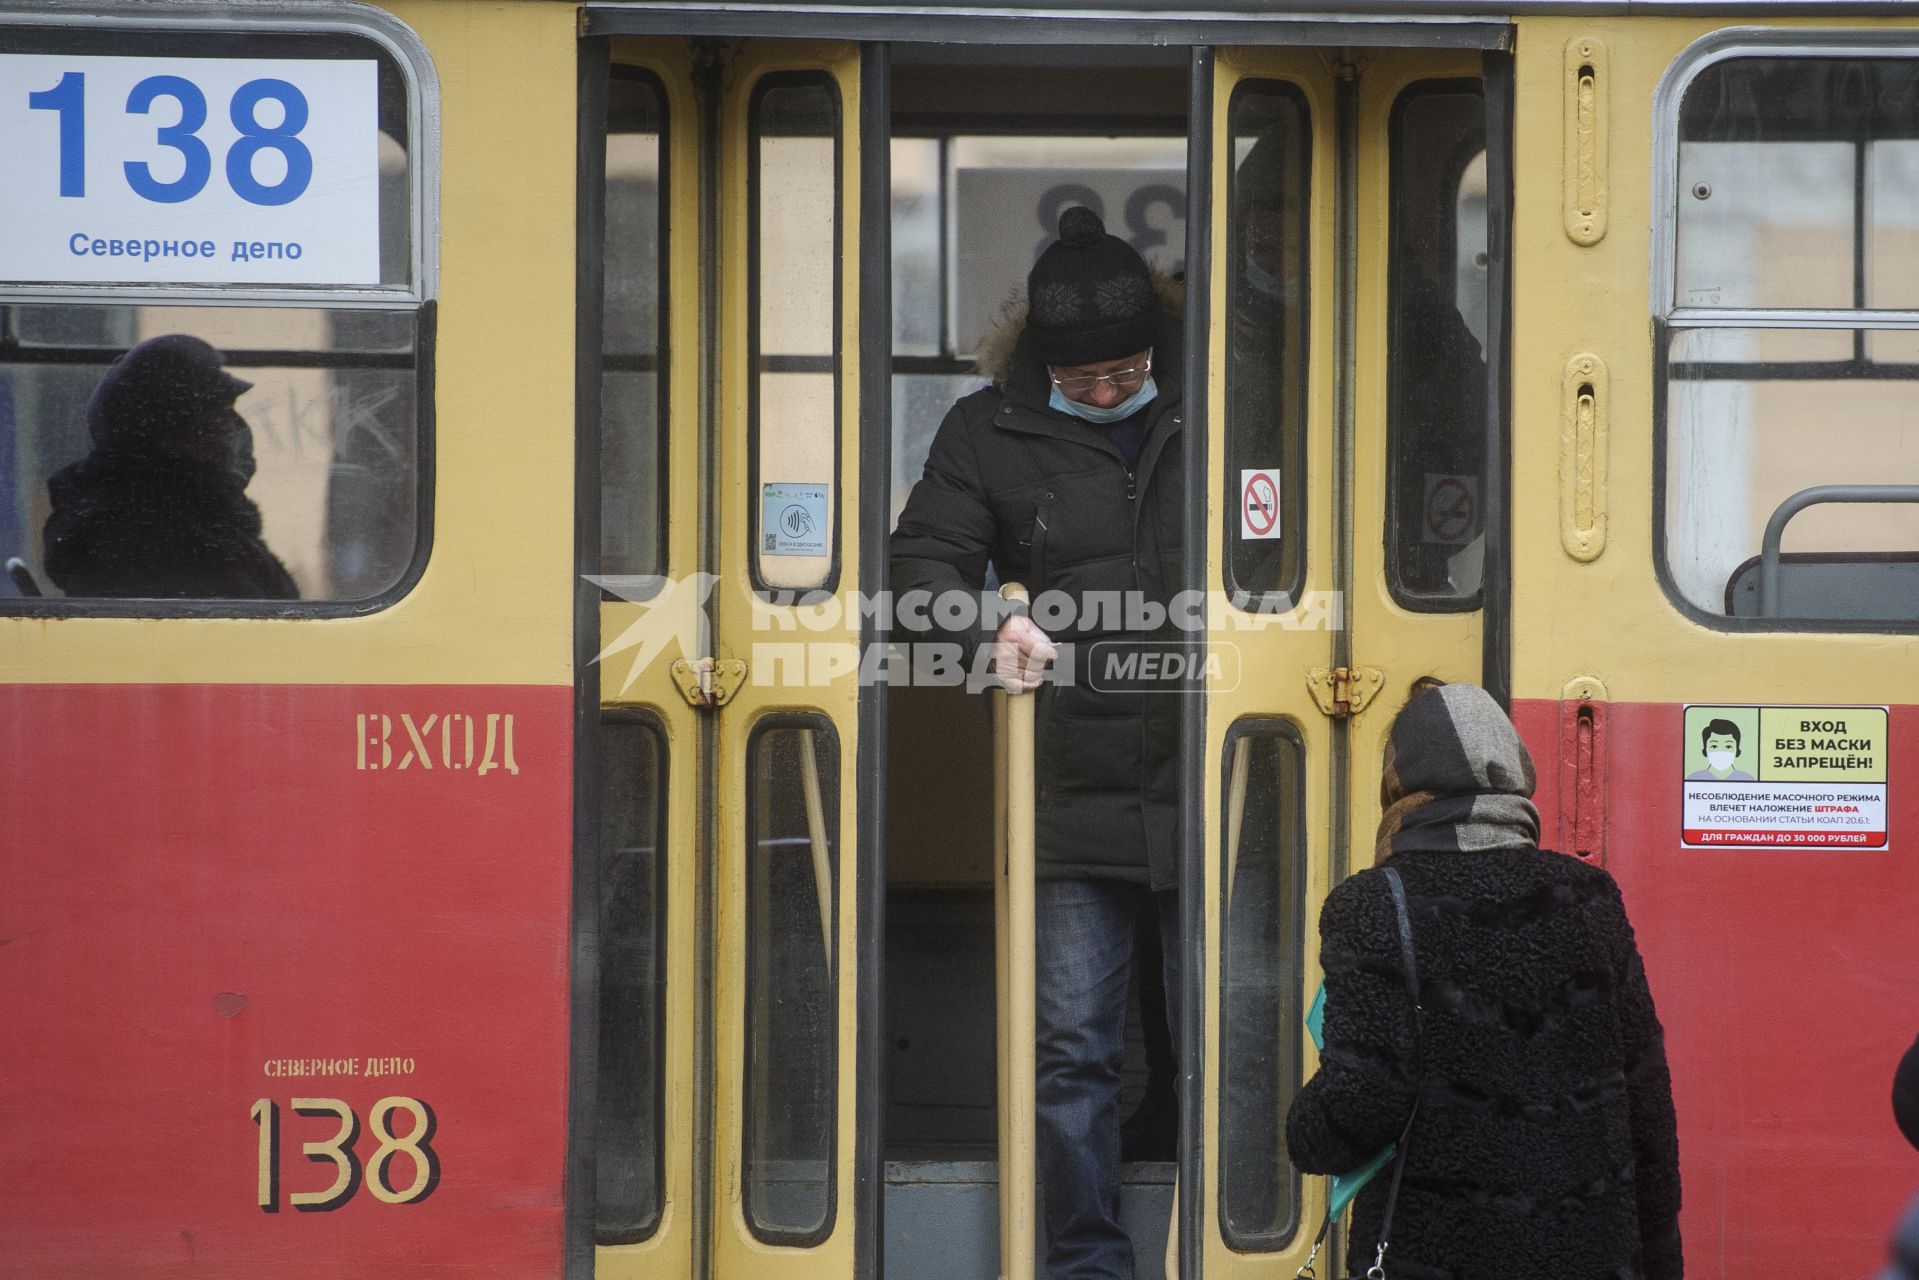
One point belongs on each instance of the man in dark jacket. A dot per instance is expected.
(1064, 475)
(159, 507)
(1544, 1143)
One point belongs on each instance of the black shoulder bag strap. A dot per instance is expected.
(1410, 968)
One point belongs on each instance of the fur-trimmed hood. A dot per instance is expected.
(1000, 350)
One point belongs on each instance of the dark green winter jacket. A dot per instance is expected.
(1051, 503)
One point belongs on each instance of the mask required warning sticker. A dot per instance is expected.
(1772, 777)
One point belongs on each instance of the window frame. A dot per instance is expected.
(646, 719)
(1725, 46)
(416, 296)
(1422, 602)
(755, 357)
(1285, 594)
(1284, 730)
(804, 720)
(661, 358)
(1668, 318)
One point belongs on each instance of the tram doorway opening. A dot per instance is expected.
(797, 1058)
(988, 147)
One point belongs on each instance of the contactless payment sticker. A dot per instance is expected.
(793, 519)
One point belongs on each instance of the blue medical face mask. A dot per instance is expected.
(1093, 413)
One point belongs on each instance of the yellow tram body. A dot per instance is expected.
(692, 689)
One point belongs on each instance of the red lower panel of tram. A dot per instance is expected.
(283, 976)
(1788, 983)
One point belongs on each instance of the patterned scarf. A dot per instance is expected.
(1457, 777)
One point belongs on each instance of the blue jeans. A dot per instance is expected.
(1084, 957)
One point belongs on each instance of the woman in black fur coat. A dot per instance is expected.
(1544, 1144)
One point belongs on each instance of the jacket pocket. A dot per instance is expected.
(1034, 544)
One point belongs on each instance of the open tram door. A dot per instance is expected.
(1355, 398)
(721, 392)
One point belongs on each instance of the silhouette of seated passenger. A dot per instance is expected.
(159, 507)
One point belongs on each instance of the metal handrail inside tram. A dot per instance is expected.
(816, 840)
(1013, 895)
(1771, 602)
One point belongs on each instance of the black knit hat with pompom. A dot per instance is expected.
(1090, 298)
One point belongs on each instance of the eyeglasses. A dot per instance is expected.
(1122, 379)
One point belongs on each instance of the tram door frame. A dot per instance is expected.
(687, 654)
(1336, 723)
(702, 1230)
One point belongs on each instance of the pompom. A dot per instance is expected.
(1081, 226)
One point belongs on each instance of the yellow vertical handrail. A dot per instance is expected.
(1014, 947)
(816, 837)
(1002, 1108)
(1235, 809)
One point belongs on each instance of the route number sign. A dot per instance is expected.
(189, 170)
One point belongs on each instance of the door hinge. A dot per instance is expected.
(1344, 691)
(709, 682)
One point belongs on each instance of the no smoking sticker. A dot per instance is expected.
(1259, 504)
(1451, 514)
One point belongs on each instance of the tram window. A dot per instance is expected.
(1795, 190)
(1263, 879)
(1754, 416)
(792, 1006)
(920, 402)
(124, 474)
(919, 246)
(632, 980)
(1436, 370)
(795, 340)
(322, 503)
(633, 491)
(1798, 184)
(1267, 202)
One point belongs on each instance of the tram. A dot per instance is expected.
(543, 885)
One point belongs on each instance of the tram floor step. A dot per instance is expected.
(942, 1218)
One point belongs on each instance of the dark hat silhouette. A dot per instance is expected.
(158, 389)
(1090, 296)
(1905, 1094)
